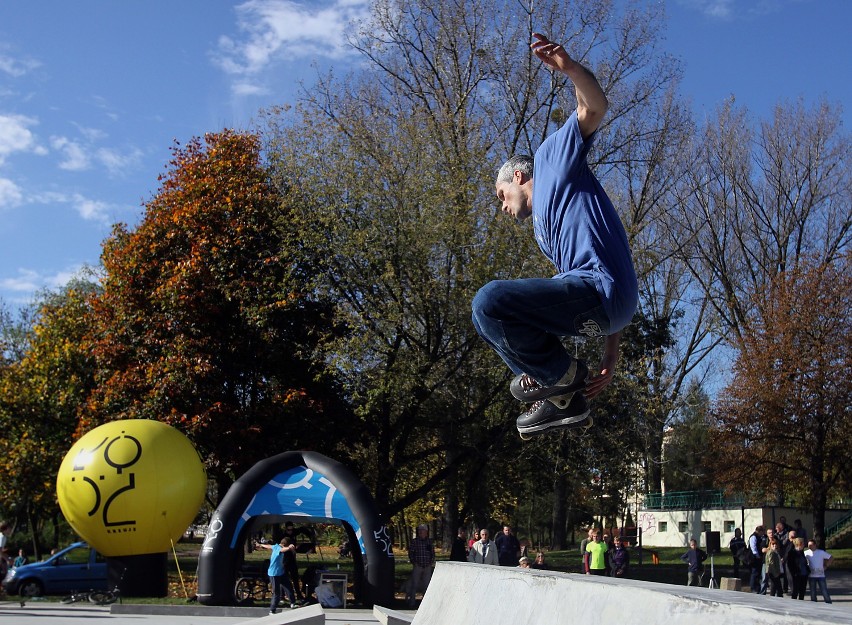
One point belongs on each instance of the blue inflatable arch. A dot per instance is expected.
(309, 486)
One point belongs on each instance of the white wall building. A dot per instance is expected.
(675, 527)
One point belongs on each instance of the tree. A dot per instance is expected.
(391, 171)
(202, 323)
(688, 456)
(756, 203)
(41, 387)
(782, 424)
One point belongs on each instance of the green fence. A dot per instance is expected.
(691, 500)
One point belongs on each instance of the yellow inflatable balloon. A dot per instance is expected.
(131, 487)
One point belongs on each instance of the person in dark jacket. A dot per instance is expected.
(797, 564)
(695, 558)
(620, 558)
(458, 552)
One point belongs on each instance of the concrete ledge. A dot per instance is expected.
(731, 583)
(193, 609)
(386, 616)
(309, 615)
(477, 594)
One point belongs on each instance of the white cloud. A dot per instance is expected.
(15, 136)
(76, 158)
(87, 208)
(29, 280)
(117, 162)
(17, 67)
(277, 30)
(10, 194)
(91, 210)
(79, 156)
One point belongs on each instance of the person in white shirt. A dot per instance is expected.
(818, 560)
(483, 551)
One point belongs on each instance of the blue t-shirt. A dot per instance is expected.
(576, 225)
(276, 562)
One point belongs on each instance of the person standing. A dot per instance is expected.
(797, 565)
(755, 545)
(597, 555)
(277, 573)
(594, 293)
(508, 547)
(773, 568)
(620, 559)
(695, 558)
(21, 560)
(818, 561)
(483, 551)
(584, 554)
(736, 546)
(421, 554)
(458, 552)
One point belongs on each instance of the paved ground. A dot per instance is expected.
(50, 613)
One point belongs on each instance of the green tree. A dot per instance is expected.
(41, 389)
(391, 174)
(688, 456)
(202, 324)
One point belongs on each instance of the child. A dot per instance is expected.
(695, 558)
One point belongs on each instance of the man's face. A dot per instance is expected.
(779, 527)
(423, 532)
(770, 532)
(484, 535)
(507, 530)
(514, 201)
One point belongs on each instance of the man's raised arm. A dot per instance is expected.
(591, 101)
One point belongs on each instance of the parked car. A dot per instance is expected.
(77, 567)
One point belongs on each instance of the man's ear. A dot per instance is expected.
(519, 177)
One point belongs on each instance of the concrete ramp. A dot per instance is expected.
(478, 594)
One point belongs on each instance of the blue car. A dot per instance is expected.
(78, 567)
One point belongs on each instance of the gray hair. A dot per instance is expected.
(519, 162)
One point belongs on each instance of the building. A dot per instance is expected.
(672, 519)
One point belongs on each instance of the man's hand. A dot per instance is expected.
(551, 54)
(598, 383)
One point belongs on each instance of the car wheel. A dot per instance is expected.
(30, 588)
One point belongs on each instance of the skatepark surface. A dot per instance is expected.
(473, 594)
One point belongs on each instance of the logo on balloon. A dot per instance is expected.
(131, 487)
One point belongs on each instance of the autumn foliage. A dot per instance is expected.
(783, 423)
(199, 324)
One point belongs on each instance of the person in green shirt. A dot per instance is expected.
(597, 555)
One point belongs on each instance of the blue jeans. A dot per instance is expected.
(278, 582)
(823, 588)
(524, 320)
(755, 578)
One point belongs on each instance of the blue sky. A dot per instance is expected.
(94, 92)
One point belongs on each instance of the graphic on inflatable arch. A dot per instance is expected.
(300, 492)
(296, 484)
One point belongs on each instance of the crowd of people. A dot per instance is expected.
(782, 561)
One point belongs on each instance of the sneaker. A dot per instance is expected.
(273, 611)
(557, 412)
(526, 389)
(292, 606)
